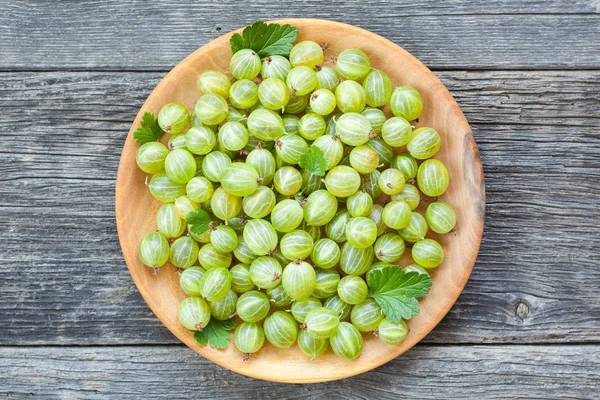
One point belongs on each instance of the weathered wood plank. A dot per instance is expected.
(155, 35)
(425, 372)
(65, 282)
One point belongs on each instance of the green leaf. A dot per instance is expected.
(314, 161)
(216, 333)
(265, 40)
(149, 131)
(199, 221)
(396, 291)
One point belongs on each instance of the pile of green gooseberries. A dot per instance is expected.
(287, 250)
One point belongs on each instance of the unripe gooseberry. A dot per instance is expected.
(327, 283)
(150, 157)
(352, 289)
(240, 179)
(249, 338)
(306, 53)
(366, 316)
(214, 82)
(342, 181)
(392, 332)
(320, 207)
(253, 306)
(173, 118)
(427, 253)
(346, 342)
(326, 253)
(223, 309)
(361, 232)
(391, 181)
(321, 323)
(432, 178)
(194, 313)
(299, 280)
(260, 236)
(154, 250)
(350, 97)
(406, 102)
(396, 214)
(275, 67)
(440, 217)
(245, 64)
(280, 329)
(301, 308)
(364, 159)
(352, 64)
(389, 247)
(216, 282)
(423, 143)
(378, 88)
(416, 229)
(310, 346)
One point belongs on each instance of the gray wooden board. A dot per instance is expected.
(155, 35)
(64, 280)
(425, 372)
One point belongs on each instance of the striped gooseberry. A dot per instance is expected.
(194, 313)
(355, 261)
(260, 236)
(183, 252)
(301, 308)
(389, 247)
(209, 257)
(253, 306)
(366, 316)
(265, 272)
(280, 329)
(440, 217)
(150, 157)
(346, 342)
(299, 280)
(406, 102)
(327, 283)
(352, 289)
(326, 253)
(320, 207)
(432, 178)
(416, 229)
(427, 253)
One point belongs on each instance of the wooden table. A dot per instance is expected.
(74, 74)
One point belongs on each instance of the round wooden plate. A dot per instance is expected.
(136, 208)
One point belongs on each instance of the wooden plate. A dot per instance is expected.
(136, 208)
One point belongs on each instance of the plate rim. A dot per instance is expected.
(470, 144)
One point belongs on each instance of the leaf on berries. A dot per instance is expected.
(216, 333)
(396, 291)
(314, 161)
(198, 221)
(149, 130)
(265, 39)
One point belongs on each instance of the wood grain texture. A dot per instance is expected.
(535, 279)
(155, 35)
(425, 372)
(136, 208)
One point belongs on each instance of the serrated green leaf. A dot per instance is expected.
(149, 130)
(198, 220)
(396, 291)
(314, 161)
(216, 333)
(201, 337)
(265, 40)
